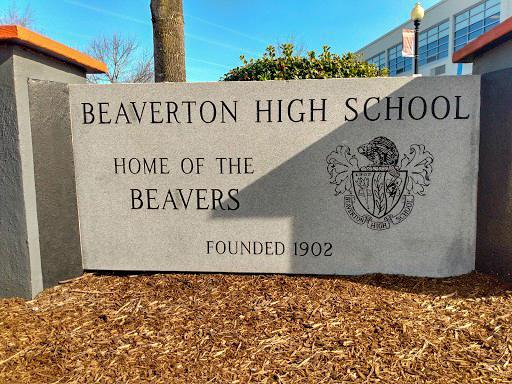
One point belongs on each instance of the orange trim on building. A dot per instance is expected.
(485, 42)
(28, 38)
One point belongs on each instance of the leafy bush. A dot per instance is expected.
(290, 66)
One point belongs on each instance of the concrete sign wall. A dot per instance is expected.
(344, 176)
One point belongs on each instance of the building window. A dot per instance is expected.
(438, 71)
(433, 43)
(397, 63)
(378, 60)
(475, 21)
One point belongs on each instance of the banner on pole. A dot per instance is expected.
(408, 42)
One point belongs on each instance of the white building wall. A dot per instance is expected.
(445, 9)
(506, 9)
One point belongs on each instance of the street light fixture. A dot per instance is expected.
(417, 15)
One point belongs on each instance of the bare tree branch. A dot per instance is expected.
(125, 64)
(13, 15)
(144, 71)
(298, 45)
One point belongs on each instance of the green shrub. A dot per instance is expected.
(290, 66)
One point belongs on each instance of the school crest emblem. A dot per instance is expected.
(382, 193)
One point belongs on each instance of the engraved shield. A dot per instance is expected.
(378, 191)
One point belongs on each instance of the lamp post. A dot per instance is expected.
(417, 15)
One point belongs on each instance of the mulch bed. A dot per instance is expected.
(205, 328)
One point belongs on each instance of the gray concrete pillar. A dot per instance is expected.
(494, 229)
(39, 238)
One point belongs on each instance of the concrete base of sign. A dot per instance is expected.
(27, 226)
(494, 238)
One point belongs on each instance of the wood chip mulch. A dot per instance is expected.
(209, 328)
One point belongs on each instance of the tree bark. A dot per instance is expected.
(168, 40)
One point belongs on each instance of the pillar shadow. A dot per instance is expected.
(300, 189)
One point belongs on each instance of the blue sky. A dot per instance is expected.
(219, 31)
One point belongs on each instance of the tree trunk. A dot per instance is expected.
(168, 40)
